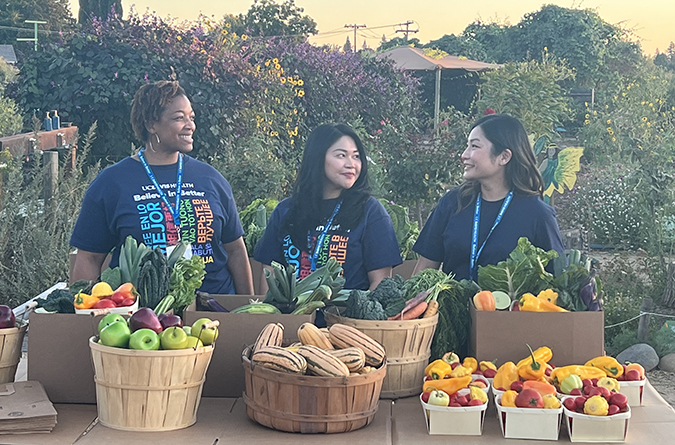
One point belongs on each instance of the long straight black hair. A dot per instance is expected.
(307, 210)
(522, 174)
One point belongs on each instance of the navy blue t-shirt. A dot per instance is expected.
(122, 201)
(370, 246)
(446, 236)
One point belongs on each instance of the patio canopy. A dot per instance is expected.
(409, 58)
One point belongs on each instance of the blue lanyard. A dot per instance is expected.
(175, 211)
(474, 237)
(319, 241)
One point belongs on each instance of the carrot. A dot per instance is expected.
(432, 309)
(416, 311)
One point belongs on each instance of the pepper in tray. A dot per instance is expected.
(438, 369)
(532, 369)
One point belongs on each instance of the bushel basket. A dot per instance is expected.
(408, 347)
(11, 341)
(148, 390)
(310, 404)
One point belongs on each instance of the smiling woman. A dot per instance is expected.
(332, 214)
(161, 196)
(480, 222)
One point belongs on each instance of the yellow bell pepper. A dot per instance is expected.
(437, 369)
(450, 386)
(460, 371)
(532, 369)
(529, 302)
(506, 374)
(84, 301)
(509, 398)
(471, 363)
(610, 365)
(551, 402)
(548, 295)
(542, 354)
(584, 372)
(596, 406)
(484, 366)
(477, 393)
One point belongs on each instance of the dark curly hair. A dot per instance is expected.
(149, 103)
(307, 199)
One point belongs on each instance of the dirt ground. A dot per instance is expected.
(664, 383)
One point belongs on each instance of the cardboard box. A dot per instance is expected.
(455, 421)
(633, 390)
(528, 423)
(59, 356)
(225, 376)
(585, 428)
(574, 337)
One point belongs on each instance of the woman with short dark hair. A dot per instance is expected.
(161, 196)
(479, 222)
(331, 213)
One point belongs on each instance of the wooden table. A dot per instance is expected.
(224, 421)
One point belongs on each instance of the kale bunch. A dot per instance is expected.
(59, 300)
(359, 305)
(389, 293)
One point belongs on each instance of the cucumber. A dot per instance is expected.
(502, 300)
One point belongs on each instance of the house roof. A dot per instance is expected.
(7, 53)
(409, 58)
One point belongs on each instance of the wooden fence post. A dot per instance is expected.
(643, 325)
(50, 181)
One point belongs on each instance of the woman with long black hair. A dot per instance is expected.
(480, 222)
(331, 213)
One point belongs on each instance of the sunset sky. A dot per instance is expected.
(650, 20)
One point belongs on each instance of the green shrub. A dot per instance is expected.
(34, 237)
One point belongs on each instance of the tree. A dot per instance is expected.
(396, 42)
(347, 46)
(267, 18)
(13, 13)
(459, 46)
(99, 8)
(667, 59)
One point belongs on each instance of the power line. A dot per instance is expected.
(355, 27)
(407, 31)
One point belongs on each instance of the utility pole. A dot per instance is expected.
(35, 38)
(355, 27)
(407, 31)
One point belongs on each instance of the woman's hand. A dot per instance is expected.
(239, 266)
(377, 275)
(425, 263)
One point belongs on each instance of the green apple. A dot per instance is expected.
(194, 342)
(108, 319)
(116, 334)
(188, 329)
(173, 338)
(207, 336)
(144, 339)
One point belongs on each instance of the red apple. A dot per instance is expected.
(7, 319)
(425, 396)
(475, 402)
(463, 400)
(455, 405)
(613, 409)
(594, 381)
(587, 382)
(127, 302)
(516, 386)
(579, 402)
(168, 320)
(576, 392)
(104, 303)
(454, 365)
(588, 389)
(529, 398)
(145, 318)
(489, 373)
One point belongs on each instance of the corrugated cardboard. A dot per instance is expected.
(574, 337)
(225, 376)
(59, 357)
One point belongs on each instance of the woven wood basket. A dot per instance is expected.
(148, 390)
(408, 347)
(11, 340)
(310, 404)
